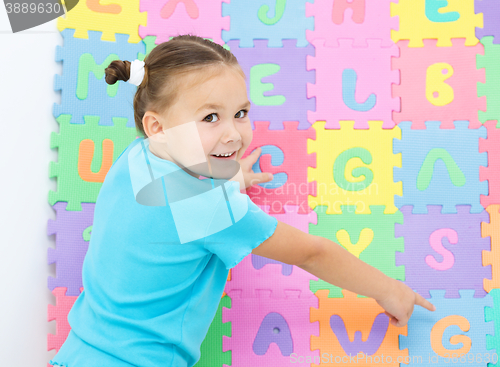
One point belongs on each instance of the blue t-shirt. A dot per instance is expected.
(153, 281)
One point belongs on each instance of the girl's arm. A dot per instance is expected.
(332, 263)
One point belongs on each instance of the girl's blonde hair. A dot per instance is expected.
(163, 65)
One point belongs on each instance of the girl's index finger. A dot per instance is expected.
(255, 154)
(421, 301)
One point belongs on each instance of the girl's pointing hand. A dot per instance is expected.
(399, 303)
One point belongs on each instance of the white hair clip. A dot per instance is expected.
(136, 72)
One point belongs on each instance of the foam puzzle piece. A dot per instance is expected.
(277, 79)
(349, 88)
(85, 154)
(489, 89)
(438, 83)
(268, 331)
(167, 19)
(491, 14)
(72, 230)
(356, 19)
(110, 19)
(273, 20)
(292, 144)
(370, 237)
(443, 251)
(211, 347)
(434, 163)
(433, 336)
(59, 312)
(370, 337)
(492, 229)
(415, 24)
(82, 85)
(493, 314)
(248, 280)
(491, 145)
(356, 169)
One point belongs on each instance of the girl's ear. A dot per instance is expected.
(151, 123)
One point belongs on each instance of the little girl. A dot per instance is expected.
(164, 239)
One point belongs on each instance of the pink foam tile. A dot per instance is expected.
(417, 106)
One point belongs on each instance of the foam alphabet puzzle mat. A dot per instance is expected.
(380, 122)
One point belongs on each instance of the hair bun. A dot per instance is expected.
(117, 70)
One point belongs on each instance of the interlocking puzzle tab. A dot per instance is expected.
(456, 321)
(355, 331)
(211, 348)
(438, 83)
(491, 145)
(489, 61)
(268, 331)
(492, 229)
(167, 19)
(85, 154)
(350, 88)
(443, 251)
(357, 19)
(91, 15)
(277, 79)
(434, 163)
(370, 237)
(491, 13)
(72, 230)
(436, 19)
(285, 155)
(82, 85)
(248, 280)
(354, 167)
(251, 20)
(59, 312)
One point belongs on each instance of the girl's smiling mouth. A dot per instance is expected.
(228, 155)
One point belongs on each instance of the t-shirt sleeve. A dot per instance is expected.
(232, 244)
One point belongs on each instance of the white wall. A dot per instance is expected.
(27, 69)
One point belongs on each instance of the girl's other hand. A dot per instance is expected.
(398, 304)
(252, 178)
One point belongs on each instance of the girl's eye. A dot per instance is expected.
(241, 115)
(210, 118)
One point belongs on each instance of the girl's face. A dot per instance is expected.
(216, 108)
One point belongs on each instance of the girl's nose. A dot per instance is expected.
(231, 133)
